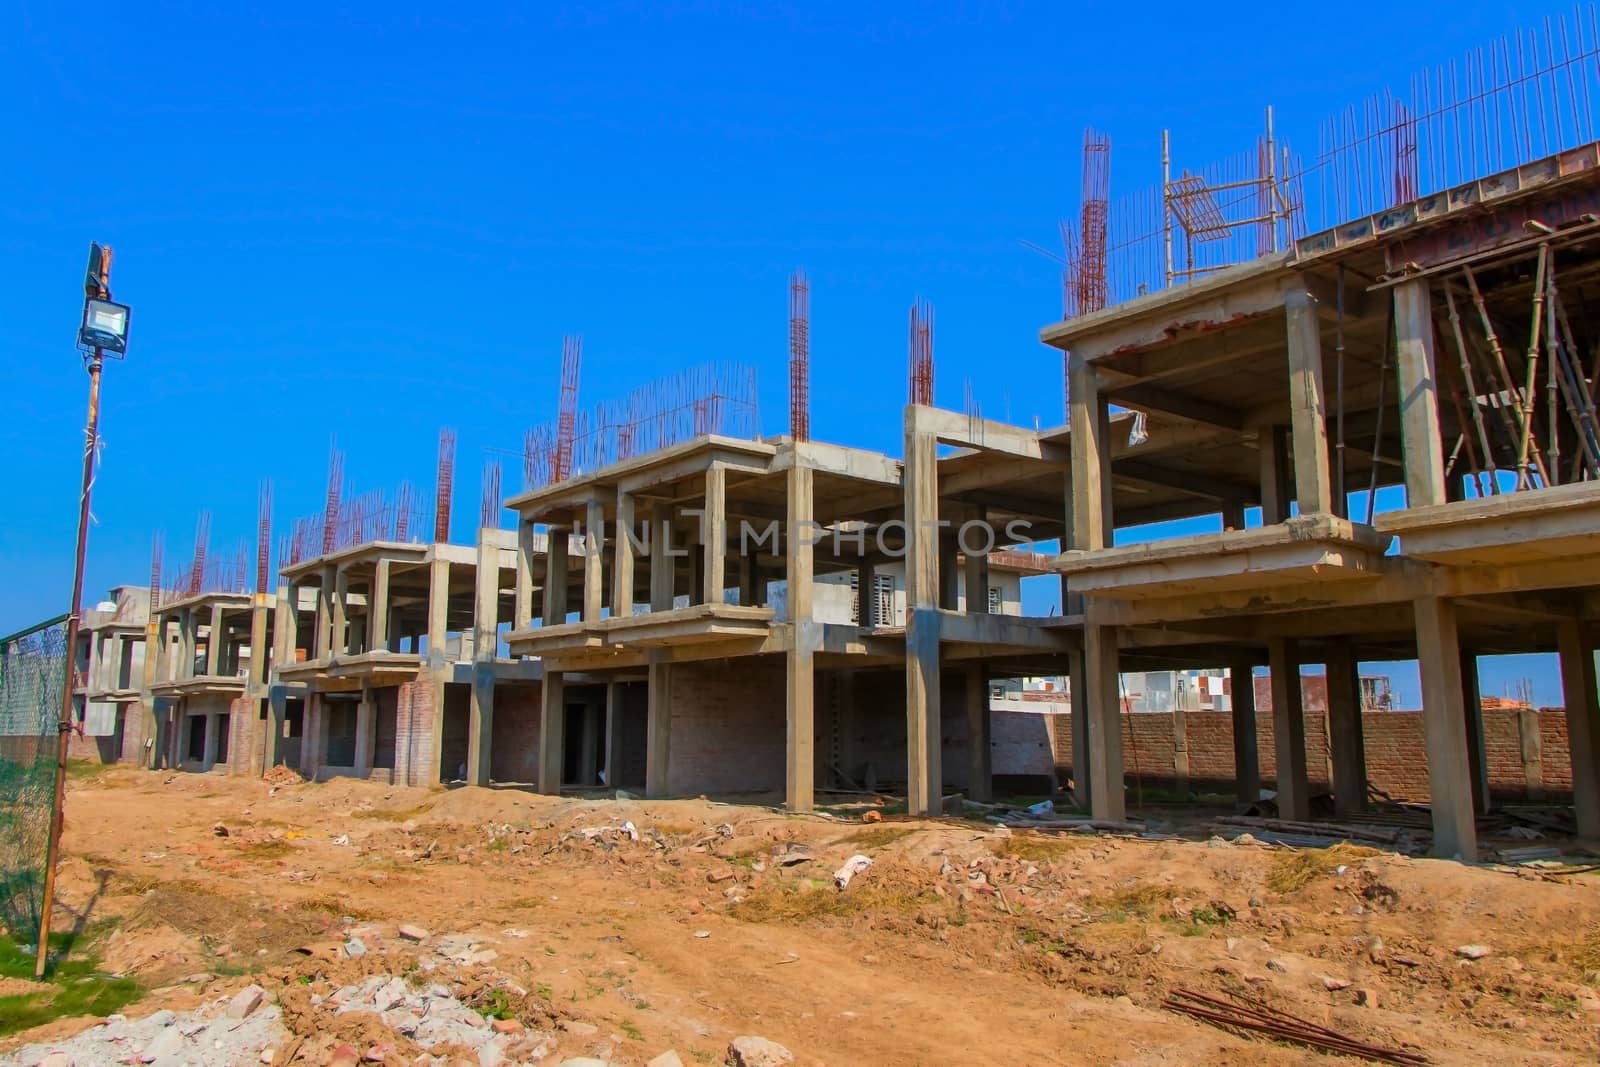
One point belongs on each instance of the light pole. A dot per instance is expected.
(104, 330)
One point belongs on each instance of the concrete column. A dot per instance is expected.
(1090, 458)
(589, 743)
(613, 727)
(378, 609)
(260, 606)
(867, 595)
(800, 763)
(188, 639)
(714, 540)
(313, 737)
(1289, 728)
(1273, 442)
(526, 551)
(1472, 712)
(1419, 395)
(1246, 751)
(1313, 483)
(662, 577)
(658, 729)
(1346, 741)
(976, 566)
(480, 723)
(1583, 725)
(213, 739)
(486, 599)
(594, 560)
(366, 730)
(285, 623)
(340, 637)
(215, 641)
(1103, 705)
(1444, 725)
(1531, 746)
(622, 559)
(154, 652)
(277, 711)
(555, 575)
(1077, 691)
(752, 584)
(980, 773)
(1180, 746)
(552, 733)
(923, 757)
(438, 616)
(323, 646)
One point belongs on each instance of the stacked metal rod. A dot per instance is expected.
(1253, 1016)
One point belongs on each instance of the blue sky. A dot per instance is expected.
(380, 220)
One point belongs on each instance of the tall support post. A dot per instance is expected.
(976, 565)
(1107, 796)
(658, 725)
(1444, 726)
(980, 736)
(1273, 442)
(923, 757)
(485, 644)
(612, 766)
(277, 711)
(552, 733)
(800, 745)
(366, 730)
(323, 648)
(256, 683)
(286, 622)
(1289, 728)
(949, 571)
(1583, 725)
(527, 542)
(1419, 395)
(1472, 713)
(1078, 694)
(1090, 454)
(558, 538)
(378, 609)
(1313, 482)
(662, 577)
(154, 654)
(594, 560)
(215, 641)
(589, 743)
(1246, 744)
(208, 758)
(1348, 742)
(438, 619)
(340, 636)
(622, 558)
(714, 537)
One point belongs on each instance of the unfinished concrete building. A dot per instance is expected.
(109, 718)
(1391, 351)
(387, 659)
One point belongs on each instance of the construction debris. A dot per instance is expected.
(1253, 1016)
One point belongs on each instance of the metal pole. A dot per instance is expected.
(64, 724)
(1166, 203)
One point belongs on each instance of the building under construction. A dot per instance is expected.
(1367, 383)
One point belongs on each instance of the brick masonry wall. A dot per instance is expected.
(514, 751)
(1396, 757)
(415, 762)
(728, 726)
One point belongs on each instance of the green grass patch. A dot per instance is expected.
(1133, 902)
(74, 986)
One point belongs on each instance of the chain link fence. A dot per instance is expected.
(32, 672)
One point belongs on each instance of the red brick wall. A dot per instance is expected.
(514, 741)
(1397, 760)
(415, 761)
(728, 726)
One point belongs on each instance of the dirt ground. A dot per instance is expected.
(961, 943)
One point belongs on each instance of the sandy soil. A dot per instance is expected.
(960, 944)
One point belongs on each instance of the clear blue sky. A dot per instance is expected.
(376, 220)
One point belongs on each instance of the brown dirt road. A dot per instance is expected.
(960, 944)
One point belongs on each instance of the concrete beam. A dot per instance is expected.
(1154, 398)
